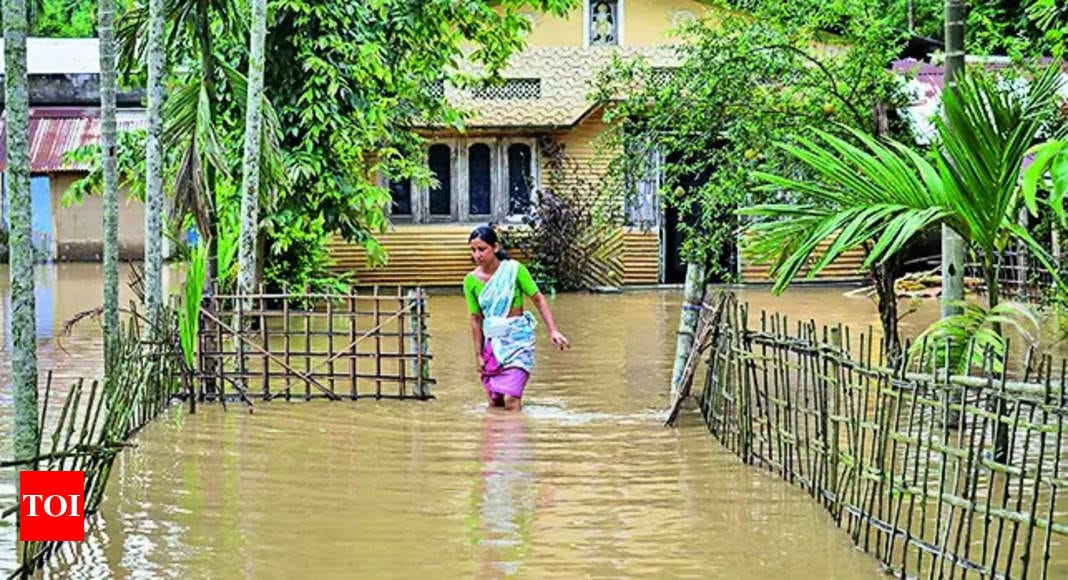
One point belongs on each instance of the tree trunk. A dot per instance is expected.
(106, 29)
(154, 168)
(20, 245)
(952, 244)
(693, 297)
(885, 276)
(246, 252)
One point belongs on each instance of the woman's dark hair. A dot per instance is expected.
(489, 235)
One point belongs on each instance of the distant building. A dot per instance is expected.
(501, 161)
(64, 115)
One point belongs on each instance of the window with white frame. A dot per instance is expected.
(477, 179)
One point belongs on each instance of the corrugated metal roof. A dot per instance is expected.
(56, 130)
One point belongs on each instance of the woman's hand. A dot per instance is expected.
(560, 340)
(481, 363)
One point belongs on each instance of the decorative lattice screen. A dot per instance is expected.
(514, 89)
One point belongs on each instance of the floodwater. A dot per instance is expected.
(584, 482)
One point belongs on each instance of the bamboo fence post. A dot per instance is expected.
(378, 344)
(307, 312)
(330, 342)
(830, 424)
(418, 340)
(287, 346)
(265, 338)
(353, 355)
(401, 350)
(220, 361)
(424, 345)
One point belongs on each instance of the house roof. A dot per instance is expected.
(56, 130)
(564, 77)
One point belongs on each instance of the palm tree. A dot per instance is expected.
(246, 271)
(20, 245)
(884, 193)
(109, 154)
(154, 168)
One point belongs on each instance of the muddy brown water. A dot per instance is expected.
(585, 482)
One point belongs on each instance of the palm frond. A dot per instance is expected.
(1050, 158)
(872, 191)
(985, 137)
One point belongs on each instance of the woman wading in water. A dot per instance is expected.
(503, 333)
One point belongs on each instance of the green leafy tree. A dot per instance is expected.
(744, 83)
(745, 80)
(63, 18)
(351, 83)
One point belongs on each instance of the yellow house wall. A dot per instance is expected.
(645, 23)
(650, 23)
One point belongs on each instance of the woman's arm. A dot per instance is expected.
(476, 335)
(543, 308)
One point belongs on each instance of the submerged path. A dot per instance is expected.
(585, 482)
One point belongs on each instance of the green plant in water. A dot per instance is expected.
(227, 247)
(193, 292)
(970, 335)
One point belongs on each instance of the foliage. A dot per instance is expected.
(968, 338)
(350, 83)
(992, 27)
(1051, 17)
(744, 83)
(130, 166)
(881, 192)
(63, 18)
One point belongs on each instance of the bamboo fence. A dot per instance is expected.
(97, 420)
(306, 345)
(817, 407)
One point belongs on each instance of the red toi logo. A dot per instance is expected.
(51, 506)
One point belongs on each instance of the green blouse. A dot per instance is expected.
(524, 286)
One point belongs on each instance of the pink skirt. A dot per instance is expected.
(504, 381)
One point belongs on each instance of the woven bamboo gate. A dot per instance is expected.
(311, 346)
(817, 407)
